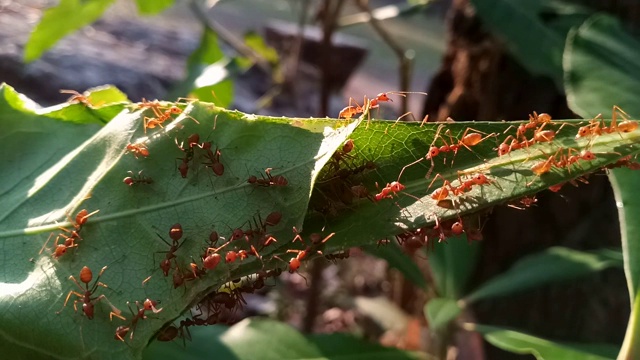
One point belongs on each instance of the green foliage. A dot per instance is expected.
(269, 339)
(521, 343)
(153, 7)
(60, 20)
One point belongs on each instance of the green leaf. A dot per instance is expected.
(269, 339)
(74, 167)
(208, 73)
(552, 265)
(522, 343)
(257, 43)
(152, 7)
(390, 147)
(440, 312)
(452, 263)
(600, 53)
(399, 260)
(60, 20)
(520, 24)
(101, 105)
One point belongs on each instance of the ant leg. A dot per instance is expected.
(46, 242)
(445, 181)
(72, 292)
(114, 310)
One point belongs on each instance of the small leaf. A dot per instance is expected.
(152, 7)
(269, 339)
(60, 20)
(542, 349)
(399, 260)
(257, 43)
(452, 263)
(552, 265)
(440, 312)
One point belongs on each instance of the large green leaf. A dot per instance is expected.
(552, 265)
(60, 20)
(68, 163)
(452, 264)
(600, 53)
(54, 176)
(542, 349)
(269, 339)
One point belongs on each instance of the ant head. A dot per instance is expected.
(433, 152)
(503, 149)
(294, 265)
(587, 155)
(213, 237)
(383, 97)
(193, 139)
(583, 131)
(480, 179)
(175, 110)
(396, 186)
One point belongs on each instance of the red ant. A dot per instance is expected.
(77, 97)
(85, 297)
(175, 233)
(69, 241)
(148, 305)
(468, 139)
(139, 179)
(294, 263)
(138, 149)
(465, 186)
(277, 180)
(192, 141)
(597, 127)
(387, 192)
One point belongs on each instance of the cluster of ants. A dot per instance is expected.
(340, 184)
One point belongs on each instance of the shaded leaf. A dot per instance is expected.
(440, 312)
(268, 339)
(60, 20)
(522, 343)
(552, 265)
(452, 263)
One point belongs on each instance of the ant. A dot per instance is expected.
(85, 297)
(465, 186)
(160, 116)
(539, 136)
(468, 139)
(295, 262)
(214, 159)
(192, 141)
(388, 191)
(139, 179)
(175, 233)
(137, 149)
(77, 97)
(342, 154)
(148, 305)
(277, 180)
(69, 241)
(597, 125)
